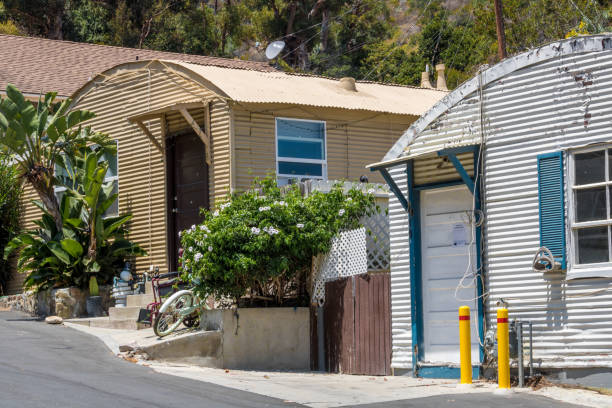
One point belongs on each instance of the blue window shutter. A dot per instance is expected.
(552, 205)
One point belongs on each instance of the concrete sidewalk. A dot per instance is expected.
(320, 390)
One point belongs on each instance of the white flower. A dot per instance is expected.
(255, 230)
(205, 236)
(349, 199)
(371, 191)
(224, 206)
(197, 257)
(180, 233)
(193, 228)
(300, 225)
(266, 208)
(190, 249)
(209, 248)
(271, 230)
(216, 213)
(341, 212)
(204, 228)
(281, 203)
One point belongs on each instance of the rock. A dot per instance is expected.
(124, 348)
(54, 320)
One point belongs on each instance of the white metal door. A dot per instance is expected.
(446, 239)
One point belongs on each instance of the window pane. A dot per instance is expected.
(590, 167)
(298, 128)
(592, 245)
(300, 149)
(591, 204)
(300, 169)
(112, 165)
(113, 210)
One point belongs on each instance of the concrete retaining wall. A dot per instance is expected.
(262, 338)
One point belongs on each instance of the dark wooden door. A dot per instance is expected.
(187, 187)
(357, 321)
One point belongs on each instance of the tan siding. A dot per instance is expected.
(142, 186)
(354, 139)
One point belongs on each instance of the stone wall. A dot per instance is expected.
(67, 303)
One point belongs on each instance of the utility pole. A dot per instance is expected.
(501, 34)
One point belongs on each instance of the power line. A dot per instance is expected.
(316, 34)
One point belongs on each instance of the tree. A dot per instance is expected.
(10, 211)
(37, 136)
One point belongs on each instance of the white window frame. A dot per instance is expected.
(60, 189)
(600, 269)
(323, 162)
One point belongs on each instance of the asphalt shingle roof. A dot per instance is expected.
(37, 65)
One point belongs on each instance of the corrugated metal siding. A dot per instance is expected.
(459, 126)
(541, 109)
(547, 107)
(401, 318)
(141, 166)
(352, 141)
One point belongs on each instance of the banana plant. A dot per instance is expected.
(38, 134)
(88, 248)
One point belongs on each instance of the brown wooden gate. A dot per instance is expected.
(357, 322)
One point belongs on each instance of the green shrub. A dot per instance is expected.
(10, 212)
(262, 241)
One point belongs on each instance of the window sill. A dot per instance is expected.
(589, 272)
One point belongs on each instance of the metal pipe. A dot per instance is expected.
(530, 349)
(519, 335)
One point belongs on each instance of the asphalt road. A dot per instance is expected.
(55, 366)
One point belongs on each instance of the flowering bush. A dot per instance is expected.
(261, 242)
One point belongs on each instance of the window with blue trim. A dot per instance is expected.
(591, 211)
(300, 150)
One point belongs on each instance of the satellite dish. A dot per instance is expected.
(274, 48)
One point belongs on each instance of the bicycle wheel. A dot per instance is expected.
(169, 316)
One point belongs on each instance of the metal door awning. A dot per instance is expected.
(183, 108)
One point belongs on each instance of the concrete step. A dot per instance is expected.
(125, 313)
(141, 300)
(107, 323)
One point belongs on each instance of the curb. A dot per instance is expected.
(107, 339)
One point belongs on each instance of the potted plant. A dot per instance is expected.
(94, 300)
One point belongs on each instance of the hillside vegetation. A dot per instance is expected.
(381, 40)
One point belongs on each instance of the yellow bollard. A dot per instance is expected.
(465, 345)
(503, 358)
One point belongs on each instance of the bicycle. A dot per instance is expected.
(182, 307)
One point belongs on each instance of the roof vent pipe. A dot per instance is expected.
(441, 82)
(348, 83)
(425, 80)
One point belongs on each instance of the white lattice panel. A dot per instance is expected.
(377, 239)
(347, 257)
